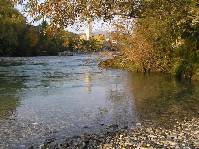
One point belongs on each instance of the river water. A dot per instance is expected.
(58, 97)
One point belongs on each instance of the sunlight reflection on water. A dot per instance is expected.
(42, 97)
(60, 96)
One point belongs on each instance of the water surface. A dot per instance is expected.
(58, 97)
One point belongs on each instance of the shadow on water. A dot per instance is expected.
(162, 99)
(9, 100)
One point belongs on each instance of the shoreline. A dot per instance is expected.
(184, 134)
(127, 65)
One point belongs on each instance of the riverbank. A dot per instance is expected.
(182, 135)
(117, 63)
(120, 62)
(117, 60)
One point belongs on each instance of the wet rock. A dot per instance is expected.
(114, 126)
(138, 124)
(31, 147)
(125, 127)
(85, 127)
(50, 140)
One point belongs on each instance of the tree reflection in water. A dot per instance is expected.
(122, 105)
(9, 100)
(162, 99)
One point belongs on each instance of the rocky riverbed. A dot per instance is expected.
(183, 134)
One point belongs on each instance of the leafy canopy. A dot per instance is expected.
(66, 12)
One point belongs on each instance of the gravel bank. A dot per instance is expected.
(183, 135)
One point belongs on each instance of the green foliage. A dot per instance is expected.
(11, 25)
(20, 39)
(165, 38)
(66, 12)
(91, 45)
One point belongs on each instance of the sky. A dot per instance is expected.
(97, 25)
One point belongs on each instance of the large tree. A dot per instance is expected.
(165, 36)
(66, 12)
(11, 25)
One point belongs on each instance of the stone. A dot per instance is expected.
(138, 124)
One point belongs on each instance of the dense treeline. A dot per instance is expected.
(165, 39)
(17, 38)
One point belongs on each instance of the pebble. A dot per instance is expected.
(185, 136)
(138, 124)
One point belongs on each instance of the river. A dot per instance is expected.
(58, 97)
